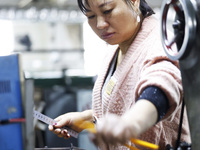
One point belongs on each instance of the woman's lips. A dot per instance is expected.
(107, 35)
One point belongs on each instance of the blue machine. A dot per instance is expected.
(11, 137)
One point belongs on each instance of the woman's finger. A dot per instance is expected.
(57, 131)
(51, 128)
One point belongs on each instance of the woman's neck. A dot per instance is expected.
(126, 44)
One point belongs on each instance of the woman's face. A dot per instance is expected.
(112, 20)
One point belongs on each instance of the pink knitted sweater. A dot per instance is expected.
(144, 64)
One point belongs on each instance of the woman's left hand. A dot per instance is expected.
(113, 130)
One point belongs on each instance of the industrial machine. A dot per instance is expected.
(11, 116)
(184, 45)
(16, 123)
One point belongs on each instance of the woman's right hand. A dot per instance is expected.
(68, 120)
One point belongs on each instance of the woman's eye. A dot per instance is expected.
(107, 11)
(91, 17)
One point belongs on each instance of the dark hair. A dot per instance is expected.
(144, 7)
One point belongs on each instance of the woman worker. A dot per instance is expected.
(138, 93)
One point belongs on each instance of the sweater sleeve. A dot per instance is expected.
(156, 96)
(163, 74)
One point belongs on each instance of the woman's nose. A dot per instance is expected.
(101, 23)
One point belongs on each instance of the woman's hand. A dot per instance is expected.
(115, 129)
(68, 120)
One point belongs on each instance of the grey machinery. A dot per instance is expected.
(184, 45)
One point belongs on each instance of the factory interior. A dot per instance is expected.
(49, 48)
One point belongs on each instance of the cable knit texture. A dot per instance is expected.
(145, 64)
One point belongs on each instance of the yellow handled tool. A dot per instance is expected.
(90, 127)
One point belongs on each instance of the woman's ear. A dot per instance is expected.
(136, 3)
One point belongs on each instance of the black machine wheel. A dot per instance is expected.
(184, 26)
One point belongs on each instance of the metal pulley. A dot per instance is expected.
(180, 32)
(184, 26)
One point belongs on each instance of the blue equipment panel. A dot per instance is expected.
(11, 137)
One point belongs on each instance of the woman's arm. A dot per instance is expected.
(142, 116)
